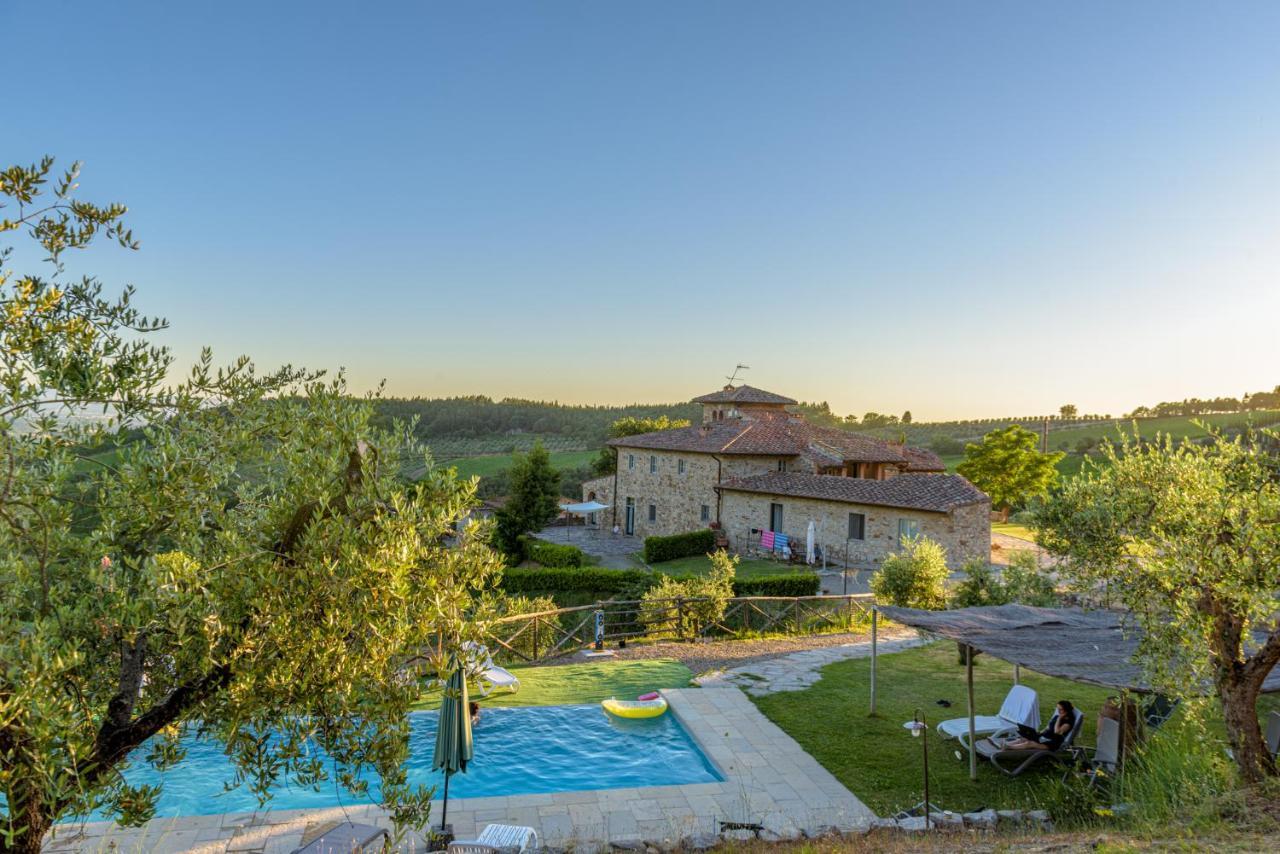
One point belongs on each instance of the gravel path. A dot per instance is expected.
(800, 670)
(722, 655)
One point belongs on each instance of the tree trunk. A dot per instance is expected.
(1240, 713)
(32, 824)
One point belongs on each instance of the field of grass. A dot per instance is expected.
(879, 761)
(589, 682)
(488, 465)
(747, 568)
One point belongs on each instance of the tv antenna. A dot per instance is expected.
(734, 375)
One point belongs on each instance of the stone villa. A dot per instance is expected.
(752, 466)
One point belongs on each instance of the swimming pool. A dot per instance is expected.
(518, 751)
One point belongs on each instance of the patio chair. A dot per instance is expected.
(348, 838)
(1104, 758)
(1004, 758)
(1020, 706)
(1159, 710)
(498, 839)
(488, 676)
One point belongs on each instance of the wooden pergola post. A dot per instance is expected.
(875, 614)
(968, 678)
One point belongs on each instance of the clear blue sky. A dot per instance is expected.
(957, 208)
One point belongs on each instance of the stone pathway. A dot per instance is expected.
(799, 670)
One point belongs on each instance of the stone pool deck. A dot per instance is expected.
(768, 780)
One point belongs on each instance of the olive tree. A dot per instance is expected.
(1187, 537)
(232, 554)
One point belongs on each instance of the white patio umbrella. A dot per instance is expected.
(585, 508)
(810, 537)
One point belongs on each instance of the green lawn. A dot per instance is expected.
(588, 682)
(491, 464)
(879, 761)
(747, 568)
(1013, 529)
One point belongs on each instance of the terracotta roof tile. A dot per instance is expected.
(743, 394)
(938, 493)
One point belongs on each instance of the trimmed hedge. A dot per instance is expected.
(658, 549)
(793, 584)
(601, 583)
(557, 555)
(528, 581)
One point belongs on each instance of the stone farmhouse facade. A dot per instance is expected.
(752, 466)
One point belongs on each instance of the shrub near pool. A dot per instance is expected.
(554, 554)
(658, 549)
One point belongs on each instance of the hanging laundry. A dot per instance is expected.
(766, 539)
(780, 541)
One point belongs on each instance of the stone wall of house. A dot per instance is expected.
(677, 496)
(600, 489)
(964, 532)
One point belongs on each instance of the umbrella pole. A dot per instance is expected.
(444, 810)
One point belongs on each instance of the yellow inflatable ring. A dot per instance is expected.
(635, 708)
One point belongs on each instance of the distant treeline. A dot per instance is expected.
(1195, 406)
(479, 417)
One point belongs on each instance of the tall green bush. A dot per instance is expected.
(658, 549)
(701, 599)
(1026, 583)
(980, 586)
(914, 577)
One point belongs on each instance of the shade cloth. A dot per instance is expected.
(584, 508)
(1095, 647)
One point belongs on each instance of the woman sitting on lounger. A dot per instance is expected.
(1052, 736)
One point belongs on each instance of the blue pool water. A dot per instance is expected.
(517, 751)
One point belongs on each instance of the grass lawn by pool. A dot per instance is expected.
(879, 761)
(747, 568)
(588, 682)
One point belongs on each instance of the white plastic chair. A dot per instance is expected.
(1020, 706)
(498, 839)
(488, 676)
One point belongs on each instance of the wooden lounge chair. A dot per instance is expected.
(1020, 706)
(1013, 761)
(348, 838)
(498, 839)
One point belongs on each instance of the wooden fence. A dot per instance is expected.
(546, 635)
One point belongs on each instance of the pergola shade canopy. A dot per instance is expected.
(1095, 647)
(584, 508)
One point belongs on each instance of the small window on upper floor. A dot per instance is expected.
(653, 512)
(679, 466)
(631, 461)
(653, 464)
(706, 512)
(782, 465)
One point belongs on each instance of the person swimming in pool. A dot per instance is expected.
(474, 709)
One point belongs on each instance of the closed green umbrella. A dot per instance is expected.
(453, 737)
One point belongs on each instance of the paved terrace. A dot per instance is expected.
(769, 780)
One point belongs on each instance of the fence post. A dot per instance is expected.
(795, 613)
(535, 638)
(679, 618)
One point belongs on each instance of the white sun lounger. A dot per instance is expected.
(498, 839)
(489, 676)
(1021, 706)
